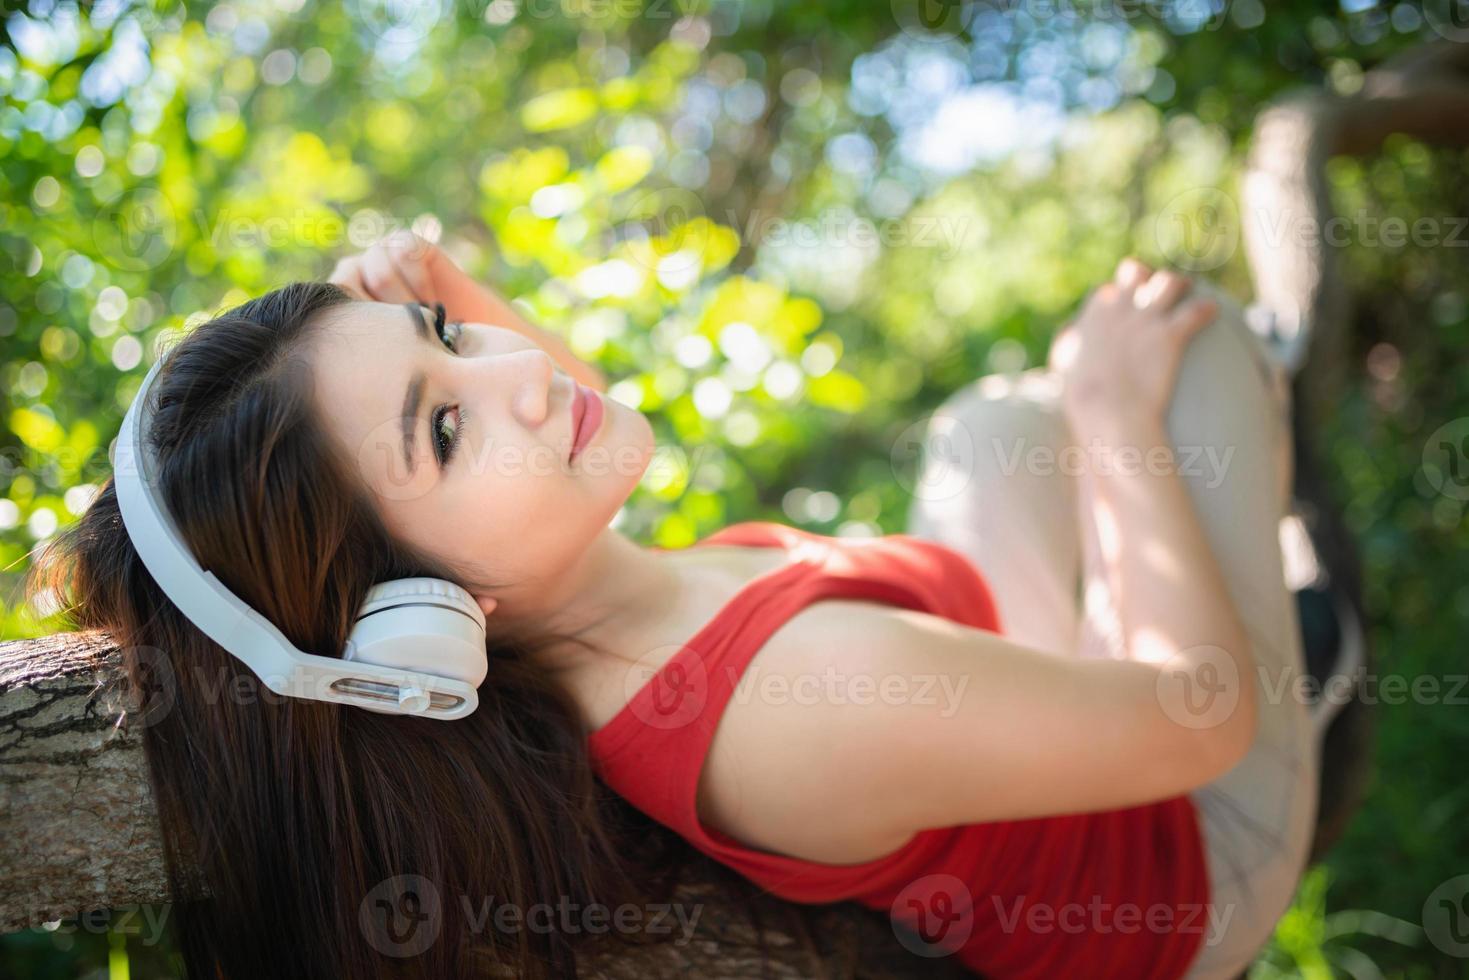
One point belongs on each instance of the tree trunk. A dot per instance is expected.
(81, 833)
(1423, 93)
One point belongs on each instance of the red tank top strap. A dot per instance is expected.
(653, 751)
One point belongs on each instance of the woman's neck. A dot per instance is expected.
(614, 590)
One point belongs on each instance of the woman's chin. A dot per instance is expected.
(620, 450)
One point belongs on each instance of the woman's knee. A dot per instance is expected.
(989, 434)
(1228, 356)
(1000, 412)
(1229, 420)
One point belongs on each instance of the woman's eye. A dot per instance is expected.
(452, 335)
(446, 433)
(448, 333)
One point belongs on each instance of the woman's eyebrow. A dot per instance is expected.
(418, 319)
(413, 399)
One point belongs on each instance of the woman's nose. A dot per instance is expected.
(527, 374)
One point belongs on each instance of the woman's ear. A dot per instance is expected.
(487, 604)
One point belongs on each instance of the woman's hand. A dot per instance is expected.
(404, 268)
(1119, 358)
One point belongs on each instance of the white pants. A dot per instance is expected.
(1028, 530)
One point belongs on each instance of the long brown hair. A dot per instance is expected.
(303, 814)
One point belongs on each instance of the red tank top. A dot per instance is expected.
(1118, 893)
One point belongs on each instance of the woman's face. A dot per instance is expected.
(464, 441)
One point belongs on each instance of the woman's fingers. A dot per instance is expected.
(412, 258)
(1192, 316)
(383, 281)
(398, 269)
(1148, 290)
(1131, 274)
(347, 273)
(1162, 292)
(1107, 292)
(1064, 348)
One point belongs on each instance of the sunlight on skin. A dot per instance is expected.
(1147, 643)
(1150, 646)
(1159, 557)
(1109, 534)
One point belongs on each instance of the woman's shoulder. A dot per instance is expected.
(769, 781)
(801, 653)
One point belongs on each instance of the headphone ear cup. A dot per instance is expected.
(424, 625)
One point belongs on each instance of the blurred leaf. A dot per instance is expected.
(558, 110)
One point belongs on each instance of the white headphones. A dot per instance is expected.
(417, 648)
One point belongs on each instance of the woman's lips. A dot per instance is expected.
(586, 417)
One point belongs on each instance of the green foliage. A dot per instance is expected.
(757, 219)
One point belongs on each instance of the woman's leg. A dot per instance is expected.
(1230, 424)
(993, 485)
(1020, 513)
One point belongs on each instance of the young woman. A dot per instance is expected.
(1043, 783)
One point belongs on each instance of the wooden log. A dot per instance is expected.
(81, 833)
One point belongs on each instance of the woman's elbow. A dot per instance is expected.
(1238, 710)
(1210, 700)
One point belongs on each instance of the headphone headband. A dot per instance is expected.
(255, 641)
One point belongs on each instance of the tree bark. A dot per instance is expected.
(81, 833)
(1422, 93)
(76, 811)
